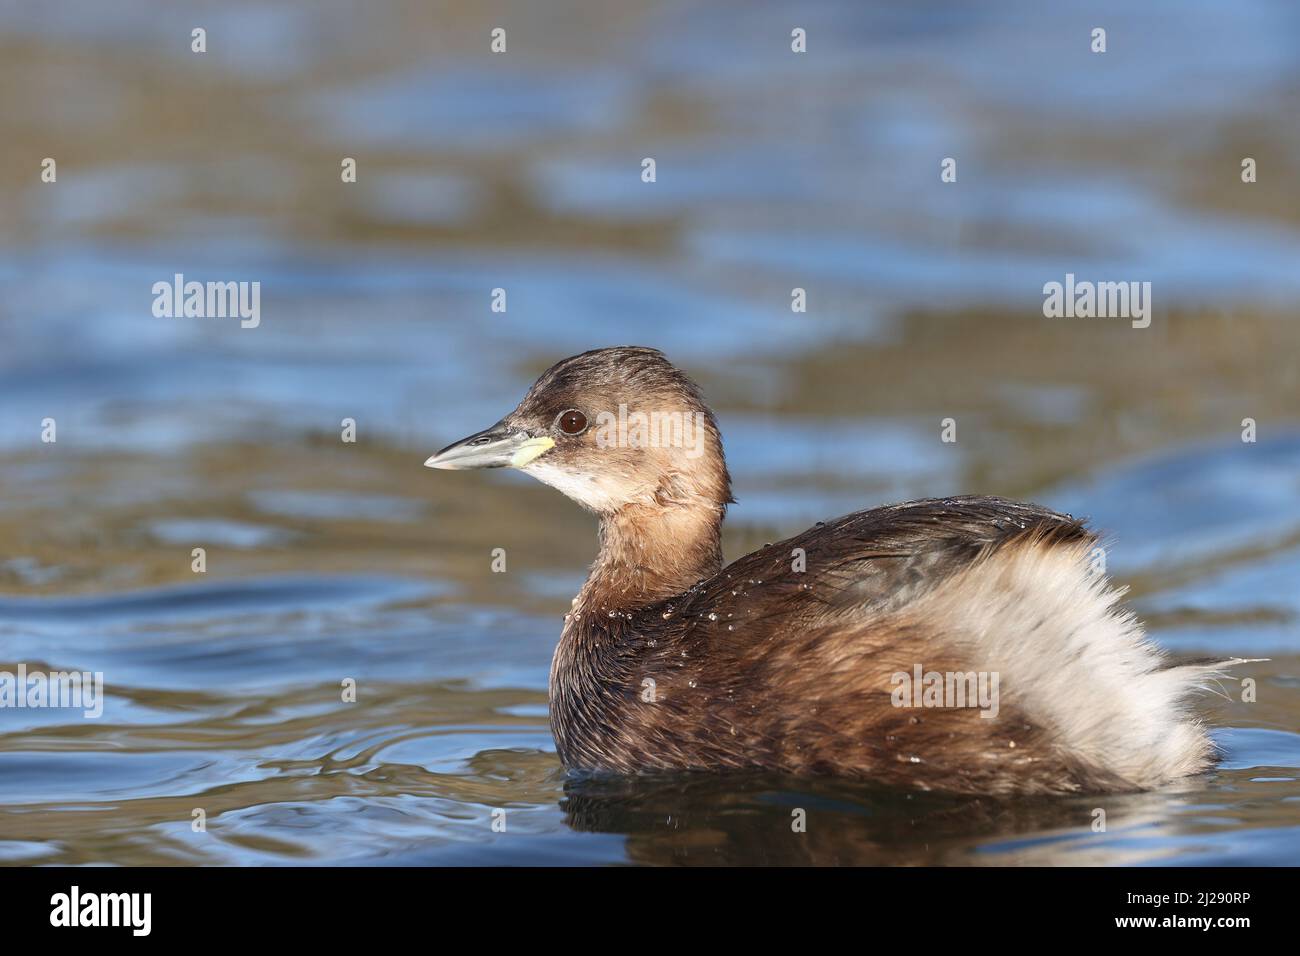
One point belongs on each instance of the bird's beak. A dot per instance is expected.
(500, 446)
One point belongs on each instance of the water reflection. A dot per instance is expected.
(763, 820)
(330, 561)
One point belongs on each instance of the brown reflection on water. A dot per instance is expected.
(470, 165)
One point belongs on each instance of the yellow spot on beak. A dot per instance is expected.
(530, 450)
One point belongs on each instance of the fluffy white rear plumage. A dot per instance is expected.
(1074, 661)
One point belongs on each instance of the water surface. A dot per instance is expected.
(330, 561)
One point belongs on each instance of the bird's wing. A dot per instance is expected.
(878, 559)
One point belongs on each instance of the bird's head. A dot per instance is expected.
(610, 428)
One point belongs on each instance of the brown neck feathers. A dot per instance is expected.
(652, 552)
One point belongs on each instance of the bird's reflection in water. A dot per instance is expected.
(760, 819)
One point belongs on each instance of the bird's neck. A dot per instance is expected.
(647, 554)
(650, 552)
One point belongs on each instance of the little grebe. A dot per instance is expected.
(794, 658)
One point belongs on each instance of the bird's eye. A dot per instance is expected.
(572, 422)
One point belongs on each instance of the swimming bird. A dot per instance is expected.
(857, 648)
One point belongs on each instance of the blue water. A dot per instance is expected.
(330, 562)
